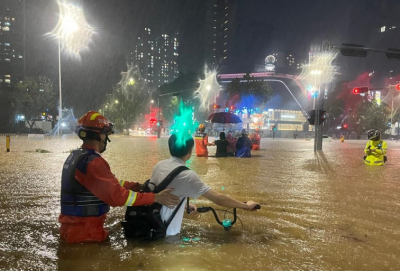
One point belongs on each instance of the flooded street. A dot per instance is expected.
(325, 211)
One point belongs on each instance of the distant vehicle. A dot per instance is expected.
(326, 138)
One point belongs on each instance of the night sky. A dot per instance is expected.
(297, 24)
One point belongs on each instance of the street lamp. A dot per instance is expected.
(73, 34)
(316, 87)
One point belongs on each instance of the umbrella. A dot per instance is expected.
(223, 117)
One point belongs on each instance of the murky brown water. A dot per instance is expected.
(319, 212)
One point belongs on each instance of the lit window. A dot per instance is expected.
(7, 59)
(383, 29)
(7, 23)
(7, 44)
(8, 81)
(7, 76)
(5, 28)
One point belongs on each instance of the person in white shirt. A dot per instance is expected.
(187, 184)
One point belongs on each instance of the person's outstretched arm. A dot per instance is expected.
(226, 201)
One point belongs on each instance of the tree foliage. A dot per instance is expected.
(361, 113)
(32, 97)
(259, 89)
(185, 86)
(126, 104)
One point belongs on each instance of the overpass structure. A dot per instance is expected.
(227, 78)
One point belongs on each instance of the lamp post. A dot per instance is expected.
(315, 73)
(73, 34)
(59, 87)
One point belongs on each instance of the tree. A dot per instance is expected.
(258, 91)
(359, 112)
(185, 86)
(129, 99)
(32, 97)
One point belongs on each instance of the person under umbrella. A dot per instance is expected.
(232, 144)
(222, 145)
(244, 145)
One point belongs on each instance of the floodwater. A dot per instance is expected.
(324, 211)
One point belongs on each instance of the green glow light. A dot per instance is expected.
(184, 126)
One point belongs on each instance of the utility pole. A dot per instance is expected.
(318, 125)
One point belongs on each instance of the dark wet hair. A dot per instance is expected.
(179, 150)
(222, 135)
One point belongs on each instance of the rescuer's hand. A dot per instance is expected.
(166, 198)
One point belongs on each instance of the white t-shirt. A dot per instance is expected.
(186, 184)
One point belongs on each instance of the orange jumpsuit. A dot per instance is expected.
(256, 139)
(102, 183)
(201, 140)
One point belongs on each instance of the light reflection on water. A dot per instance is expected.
(319, 212)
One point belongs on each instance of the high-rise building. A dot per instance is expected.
(156, 57)
(237, 35)
(11, 42)
(226, 35)
(219, 17)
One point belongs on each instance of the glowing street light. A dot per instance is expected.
(316, 72)
(74, 34)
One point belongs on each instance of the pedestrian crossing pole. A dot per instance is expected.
(8, 143)
(318, 125)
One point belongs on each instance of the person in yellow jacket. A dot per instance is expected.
(375, 149)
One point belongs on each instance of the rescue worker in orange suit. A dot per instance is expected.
(89, 188)
(201, 139)
(256, 139)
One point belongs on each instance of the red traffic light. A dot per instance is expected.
(231, 107)
(216, 106)
(398, 87)
(153, 121)
(345, 126)
(360, 90)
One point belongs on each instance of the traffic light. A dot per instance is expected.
(360, 90)
(344, 126)
(153, 121)
(317, 114)
(392, 53)
(231, 107)
(398, 87)
(348, 49)
(273, 128)
(216, 106)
